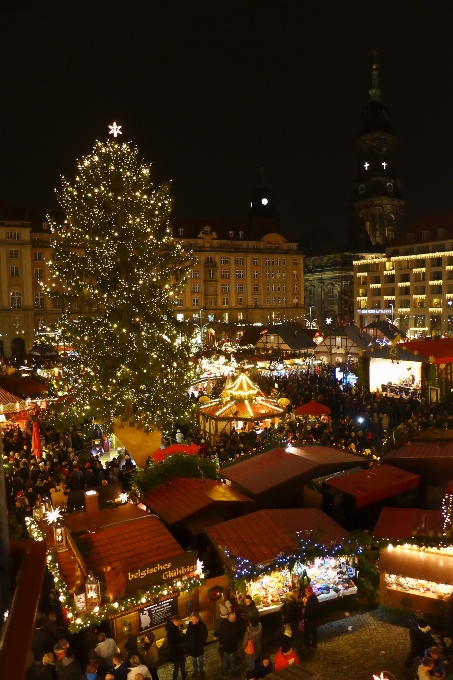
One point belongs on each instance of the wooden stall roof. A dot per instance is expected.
(181, 498)
(417, 564)
(375, 484)
(260, 536)
(423, 449)
(407, 522)
(277, 466)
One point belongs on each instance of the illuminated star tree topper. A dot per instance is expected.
(115, 130)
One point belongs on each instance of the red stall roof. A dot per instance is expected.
(407, 522)
(441, 350)
(262, 535)
(375, 484)
(277, 466)
(182, 497)
(436, 449)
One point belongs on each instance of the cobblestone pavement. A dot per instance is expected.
(352, 648)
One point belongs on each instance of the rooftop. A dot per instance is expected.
(407, 522)
(262, 535)
(374, 484)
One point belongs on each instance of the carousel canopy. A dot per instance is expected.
(244, 401)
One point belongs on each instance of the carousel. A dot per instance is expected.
(241, 406)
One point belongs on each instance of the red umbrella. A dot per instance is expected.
(313, 408)
(161, 454)
(36, 440)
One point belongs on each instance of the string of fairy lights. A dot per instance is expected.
(116, 273)
(81, 620)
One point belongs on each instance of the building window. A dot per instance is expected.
(39, 300)
(268, 274)
(211, 273)
(195, 274)
(192, 244)
(240, 301)
(405, 304)
(194, 287)
(36, 240)
(278, 262)
(212, 302)
(284, 287)
(224, 273)
(295, 275)
(295, 288)
(268, 301)
(255, 288)
(37, 257)
(225, 317)
(13, 235)
(284, 302)
(296, 301)
(14, 271)
(16, 300)
(231, 234)
(225, 301)
(294, 263)
(268, 287)
(241, 234)
(224, 260)
(225, 287)
(180, 302)
(426, 236)
(239, 288)
(279, 301)
(40, 323)
(268, 246)
(180, 231)
(273, 287)
(255, 302)
(255, 261)
(239, 273)
(13, 254)
(38, 273)
(209, 259)
(194, 302)
(267, 261)
(238, 260)
(240, 316)
(255, 273)
(273, 301)
(330, 296)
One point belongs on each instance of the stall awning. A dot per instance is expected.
(419, 564)
(375, 484)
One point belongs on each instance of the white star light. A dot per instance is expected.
(115, 130)
(52, 516)
(328, 321)
(384, 165)
(366, 165)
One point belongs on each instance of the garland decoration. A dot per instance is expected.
(81, 620)
(215, 593)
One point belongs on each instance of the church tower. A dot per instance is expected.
(377, 200)
(263, 204)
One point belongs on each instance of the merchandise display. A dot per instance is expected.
(417, 586)
(330, 577)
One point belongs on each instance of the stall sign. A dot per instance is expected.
(157, 614)
(375, 311)
(178, 567)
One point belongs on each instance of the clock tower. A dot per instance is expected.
(377, 203)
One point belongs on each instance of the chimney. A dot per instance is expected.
(92, 510)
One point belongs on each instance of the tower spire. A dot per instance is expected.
(375, 90)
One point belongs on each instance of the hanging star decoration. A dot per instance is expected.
(431, 359)
(328, 321)
(52, 516)
(115, 130)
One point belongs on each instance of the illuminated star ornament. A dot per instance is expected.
(52, 516)
(328, 321)
(115, 130)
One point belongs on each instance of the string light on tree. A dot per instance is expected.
(115, 130)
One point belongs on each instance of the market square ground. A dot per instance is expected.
(351, 648)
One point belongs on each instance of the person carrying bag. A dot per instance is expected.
(252, 642)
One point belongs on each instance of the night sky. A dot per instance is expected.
(212, 90)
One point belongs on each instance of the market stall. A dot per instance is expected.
(270, 553)
(415, 577)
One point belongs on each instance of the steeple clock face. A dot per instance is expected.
(361, 189)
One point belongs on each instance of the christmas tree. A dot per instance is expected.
(116, 273)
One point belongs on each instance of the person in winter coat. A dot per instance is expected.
(285, 656)
(263, 666)
(229, 634)
(151, 654)
(48, 670)
(310, 604)
(137, 667)
(420, 638)
(438, 670)
(131, 648)
(120, 668)
(292, 613)
(252, 642)
(249, 609)
(196, 636)
(106, 648)
(175, 639)
(41, 642)
(68, 668)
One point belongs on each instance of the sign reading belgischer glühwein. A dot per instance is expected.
(178, 567)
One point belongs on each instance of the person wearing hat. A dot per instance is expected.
(420, 638)
(285, 657)
(223, 616)
(310, 610)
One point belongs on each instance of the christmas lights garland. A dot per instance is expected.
(80, 620)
